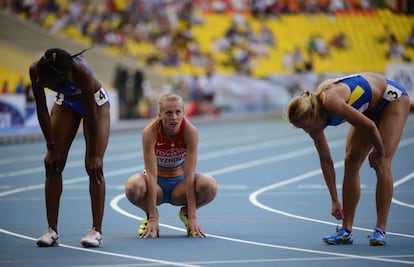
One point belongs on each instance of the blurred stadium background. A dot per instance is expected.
(253, 54)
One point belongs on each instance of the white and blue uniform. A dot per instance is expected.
(69, 95)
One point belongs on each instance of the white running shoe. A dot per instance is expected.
(49, 239)
(93, 239)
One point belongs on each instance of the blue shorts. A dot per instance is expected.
(393, 92)
(75, 103)
(167, 185)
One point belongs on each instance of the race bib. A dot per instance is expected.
(101, 97)
(59, 98)
(392, 93)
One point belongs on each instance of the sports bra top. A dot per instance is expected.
(69, 88)
(360, 98)
(171, 154)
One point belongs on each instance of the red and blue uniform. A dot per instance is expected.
(170, 156)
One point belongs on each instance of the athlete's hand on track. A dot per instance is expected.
(194, 229)
(152, 230)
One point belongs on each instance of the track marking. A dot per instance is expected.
(107, 253)
(131, 170)
(138, 168)
(220, 171)
(253, 199)
(114, 205)
(136, 155)
(399, 182)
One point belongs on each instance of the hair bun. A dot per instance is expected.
(305, 93)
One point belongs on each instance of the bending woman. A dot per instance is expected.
(79, 95)
(377, 109)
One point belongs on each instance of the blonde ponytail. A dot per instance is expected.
(301, 106)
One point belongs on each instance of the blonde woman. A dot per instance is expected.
(377, 109)
(170, 144)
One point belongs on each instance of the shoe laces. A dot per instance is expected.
(51, 233)
(94, 234)
(378, 232)
(342, 230)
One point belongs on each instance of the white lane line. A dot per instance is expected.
(136, 155)
(107, 253)
(399, 182)
(253, 199)
(220, 171)
(138, 168)
(241, 166)
(114, 205)
(80, 179)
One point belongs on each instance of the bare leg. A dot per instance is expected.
(97, 190)
(391, 124)
(64, 125)
(351, 183)
(383, 197)
(53, 191)
(205, 189)
(136, 191)
(97, 193)
(357, 149)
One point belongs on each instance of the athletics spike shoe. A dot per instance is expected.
(93, 239)
(143, 226)
(183, 217)
(378, 238)
(49, 239)
(342, 237)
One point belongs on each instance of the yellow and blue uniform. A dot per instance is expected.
(361, 96)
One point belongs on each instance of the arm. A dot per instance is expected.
(337, 106)
(41, 106)
(191, 139)
(149, 138)
(328, 170)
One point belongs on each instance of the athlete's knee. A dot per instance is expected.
(354, 160)
(53, 167)
(134, 189)
(384, 167)
(207, 187)
(213, 187)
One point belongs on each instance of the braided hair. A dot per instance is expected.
(56, 62)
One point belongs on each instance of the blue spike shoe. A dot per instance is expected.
(378, 238)
(342, 237)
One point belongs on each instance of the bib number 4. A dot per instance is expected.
(101, 97)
